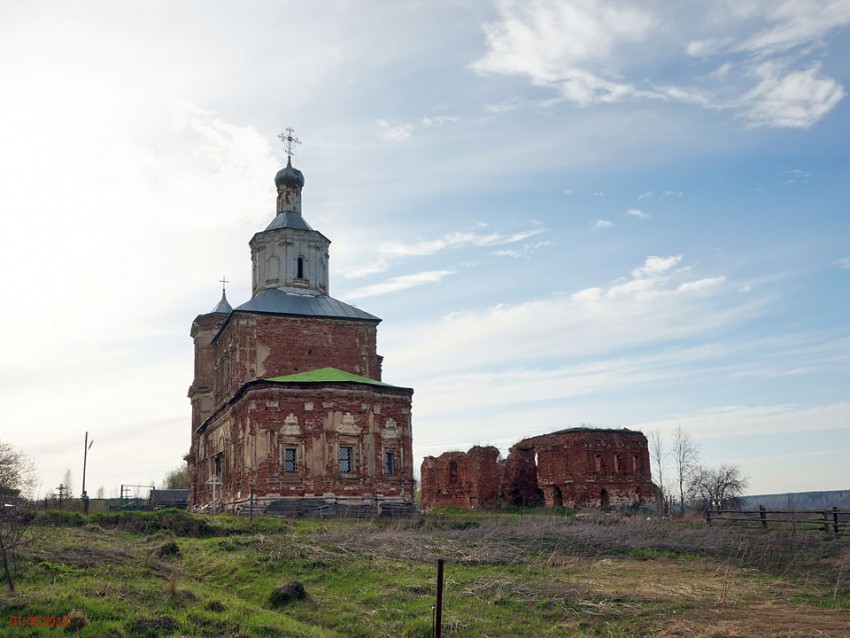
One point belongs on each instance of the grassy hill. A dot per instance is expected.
(142, 575)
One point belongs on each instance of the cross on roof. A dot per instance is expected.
(289, 140)
(223, 281)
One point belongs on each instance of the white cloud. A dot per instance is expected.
(602, 224)
(794, 176)
(397, 284)
(562, 45)
(844, 263)
(795, 99)
(391, 251)
(394, 131)
(635, 212)
(658, 302)
(439, 120)
(794, 23)
(759, 419)
(645, 194)
(587, 51)
(654, 266)
(523, 252)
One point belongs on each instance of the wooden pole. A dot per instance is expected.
(438, 624)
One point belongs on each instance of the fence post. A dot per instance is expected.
(438, 622)
(835, 519)
(763, 516)
(708, 517)
(825, 522)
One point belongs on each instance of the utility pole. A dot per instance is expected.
(86, 446)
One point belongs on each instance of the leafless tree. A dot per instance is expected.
(686, 457)
(66, 482)
(717, 488)
(14, 534)
(17, 473)
(658, 458)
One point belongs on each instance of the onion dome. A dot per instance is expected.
(223, 306)
(289, 176)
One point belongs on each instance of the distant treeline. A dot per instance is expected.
(799, 500)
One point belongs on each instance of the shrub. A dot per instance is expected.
(286, 594)
(169, 549)
(76, 620)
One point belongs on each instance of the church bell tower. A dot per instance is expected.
(289, 255)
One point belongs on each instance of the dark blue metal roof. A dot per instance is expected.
(289, 219)
(223, 306)
(276, 301)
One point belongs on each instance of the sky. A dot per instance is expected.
(615, 213)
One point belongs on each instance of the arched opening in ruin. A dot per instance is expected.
(557, 497)
(604, 499)
(300, 274)
(452, 471)
(638, 495)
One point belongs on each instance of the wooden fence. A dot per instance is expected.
(831, 521)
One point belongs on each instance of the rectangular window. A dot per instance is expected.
(289, 460)
(389, 463)
(345, 459)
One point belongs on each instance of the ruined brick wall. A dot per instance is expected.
(462, 479)
(257, 346)
(519, 478)
(246, 443)
(589, 467)
(581, 467)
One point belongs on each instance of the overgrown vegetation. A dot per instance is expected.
(512, 573)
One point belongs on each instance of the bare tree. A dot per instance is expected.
(717, 488)
(99, 492)
(686, 457)
(17, 473)
(66, 482)
(657, 457)
(14, 534)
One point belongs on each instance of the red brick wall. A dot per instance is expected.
(582, 467)
(315, 420)
(462, 479)
(257, 346)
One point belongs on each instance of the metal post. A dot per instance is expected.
(251, 513)
(835, 519)
(763, 516)
(85, 496)
(438, 623)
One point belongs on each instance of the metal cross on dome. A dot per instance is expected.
(289, 140)
(223, 281)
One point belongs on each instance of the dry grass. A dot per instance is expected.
(506, 575)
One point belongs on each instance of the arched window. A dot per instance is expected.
(452, 471)
(300, 268)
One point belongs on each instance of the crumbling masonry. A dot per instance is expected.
(579, 467)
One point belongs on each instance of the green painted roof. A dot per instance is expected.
(327, 374)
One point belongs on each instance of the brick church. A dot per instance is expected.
(288, 405)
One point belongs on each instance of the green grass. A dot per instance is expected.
(514, 573)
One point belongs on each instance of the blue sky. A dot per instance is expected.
(624, 214)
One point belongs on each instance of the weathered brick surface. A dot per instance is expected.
(461, 479)
(581, 467)
(245, 444)
(260, 346)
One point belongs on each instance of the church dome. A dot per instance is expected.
(289, 176)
